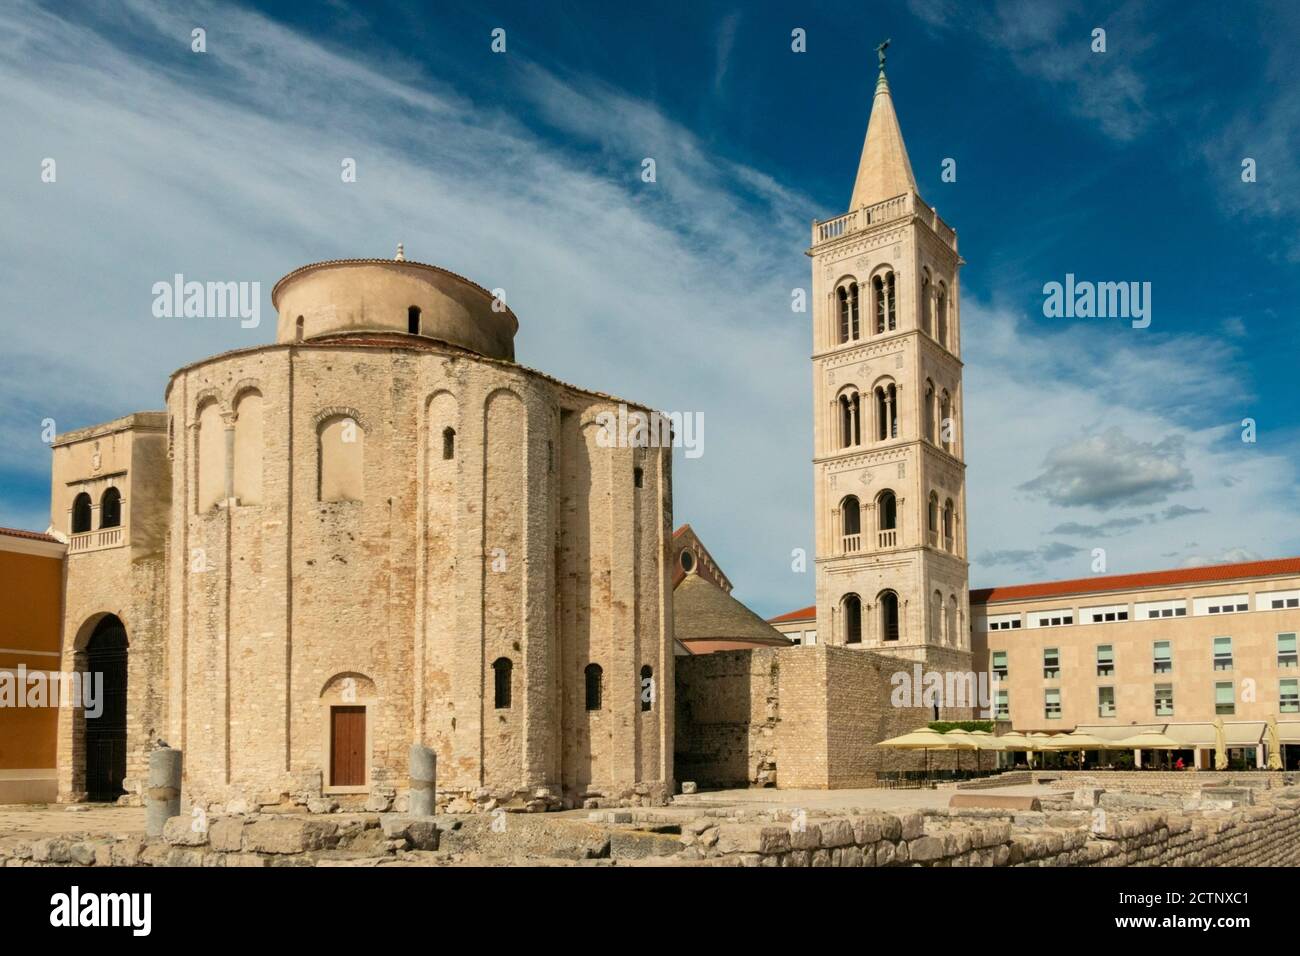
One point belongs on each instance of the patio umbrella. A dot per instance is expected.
(1076, 740)
(1274, 745)
(923, 738)
(968, 741)
(1015, 741)
(1150, 740)
(1220, 745)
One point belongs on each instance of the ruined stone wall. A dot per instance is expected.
(796, 717)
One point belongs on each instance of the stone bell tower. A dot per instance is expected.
(889, 475)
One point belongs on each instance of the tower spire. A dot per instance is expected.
(884, 171)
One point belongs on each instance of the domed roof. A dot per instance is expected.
(392, 295)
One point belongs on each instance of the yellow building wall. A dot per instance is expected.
(31, 606)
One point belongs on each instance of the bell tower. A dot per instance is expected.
(889, 475)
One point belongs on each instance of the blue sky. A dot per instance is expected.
(521, 170)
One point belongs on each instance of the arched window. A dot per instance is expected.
(926, 293)
(936, 618)
(593, 676)
(947, 524)
(851, 615)
(851, 519)
(413, 320)
(855, 329)
(110, 509)
(647, 687)
(448, 443)
(341, 454)
(248, 447)
(954, 635)
(928, 410)
(638, 477)
(934, 515)
(945, 421)
(850, 419)
(941, 310)
(81, 513)
(888, 602)
(842, 296)
(886, 412)
(298, 329)
(502, 669)
(878, 294)
(887, 519)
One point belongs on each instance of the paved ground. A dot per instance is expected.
(36, 821)
(844, 799)
(49, 820)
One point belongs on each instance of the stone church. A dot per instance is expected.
(378, 530)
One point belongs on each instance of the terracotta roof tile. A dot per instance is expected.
(1145, 579)
(31, 535)
(803, 614)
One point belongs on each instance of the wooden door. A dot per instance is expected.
(347, 746)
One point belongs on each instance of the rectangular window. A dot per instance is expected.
(1051, 663)
(1224, 702)
(1164, 659)
(1052, 703)
(1289, 696)
(1000, 664)
(1104, 615)
(1105, 701)
(1164, 700)
(1286, 652)
(1226, 604)
(1003, 706)
(1051, 618)
(1223, 653)
(1276, 600)
(1150, 610)
(1105, 660)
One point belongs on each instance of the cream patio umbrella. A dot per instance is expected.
(1016, 741)
(1076, 740)
(969, 741)
(1220, 745)
(1149, 740)
(1274, 745)
(925, 739)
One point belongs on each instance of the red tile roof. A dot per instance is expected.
(1146, 579)
(31, 535)
(803, 614)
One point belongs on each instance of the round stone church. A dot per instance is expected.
(379, 530)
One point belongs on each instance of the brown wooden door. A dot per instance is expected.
(347, 746)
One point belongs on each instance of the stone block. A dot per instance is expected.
(180, 831)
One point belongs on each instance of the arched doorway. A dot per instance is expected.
(106, 733)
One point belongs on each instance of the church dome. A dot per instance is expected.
(392, 295)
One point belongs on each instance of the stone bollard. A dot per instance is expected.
(162, 797)
(424, 776)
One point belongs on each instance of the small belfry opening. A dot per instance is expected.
(110, 509)
(851, 618)
(413, 320)
(81, 513)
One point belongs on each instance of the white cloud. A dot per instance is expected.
(1114, 396)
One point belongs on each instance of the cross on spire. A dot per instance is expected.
(880, 52)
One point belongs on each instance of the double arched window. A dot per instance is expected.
(948, 524)
(888, 604)
(886, 412)
(941, 315)
(81, 513)
(846, 299)
(887, 519)
(945, 421)
(851, 616)
(882, 287)
(850, 411)
(110, 509)
(851, 521)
